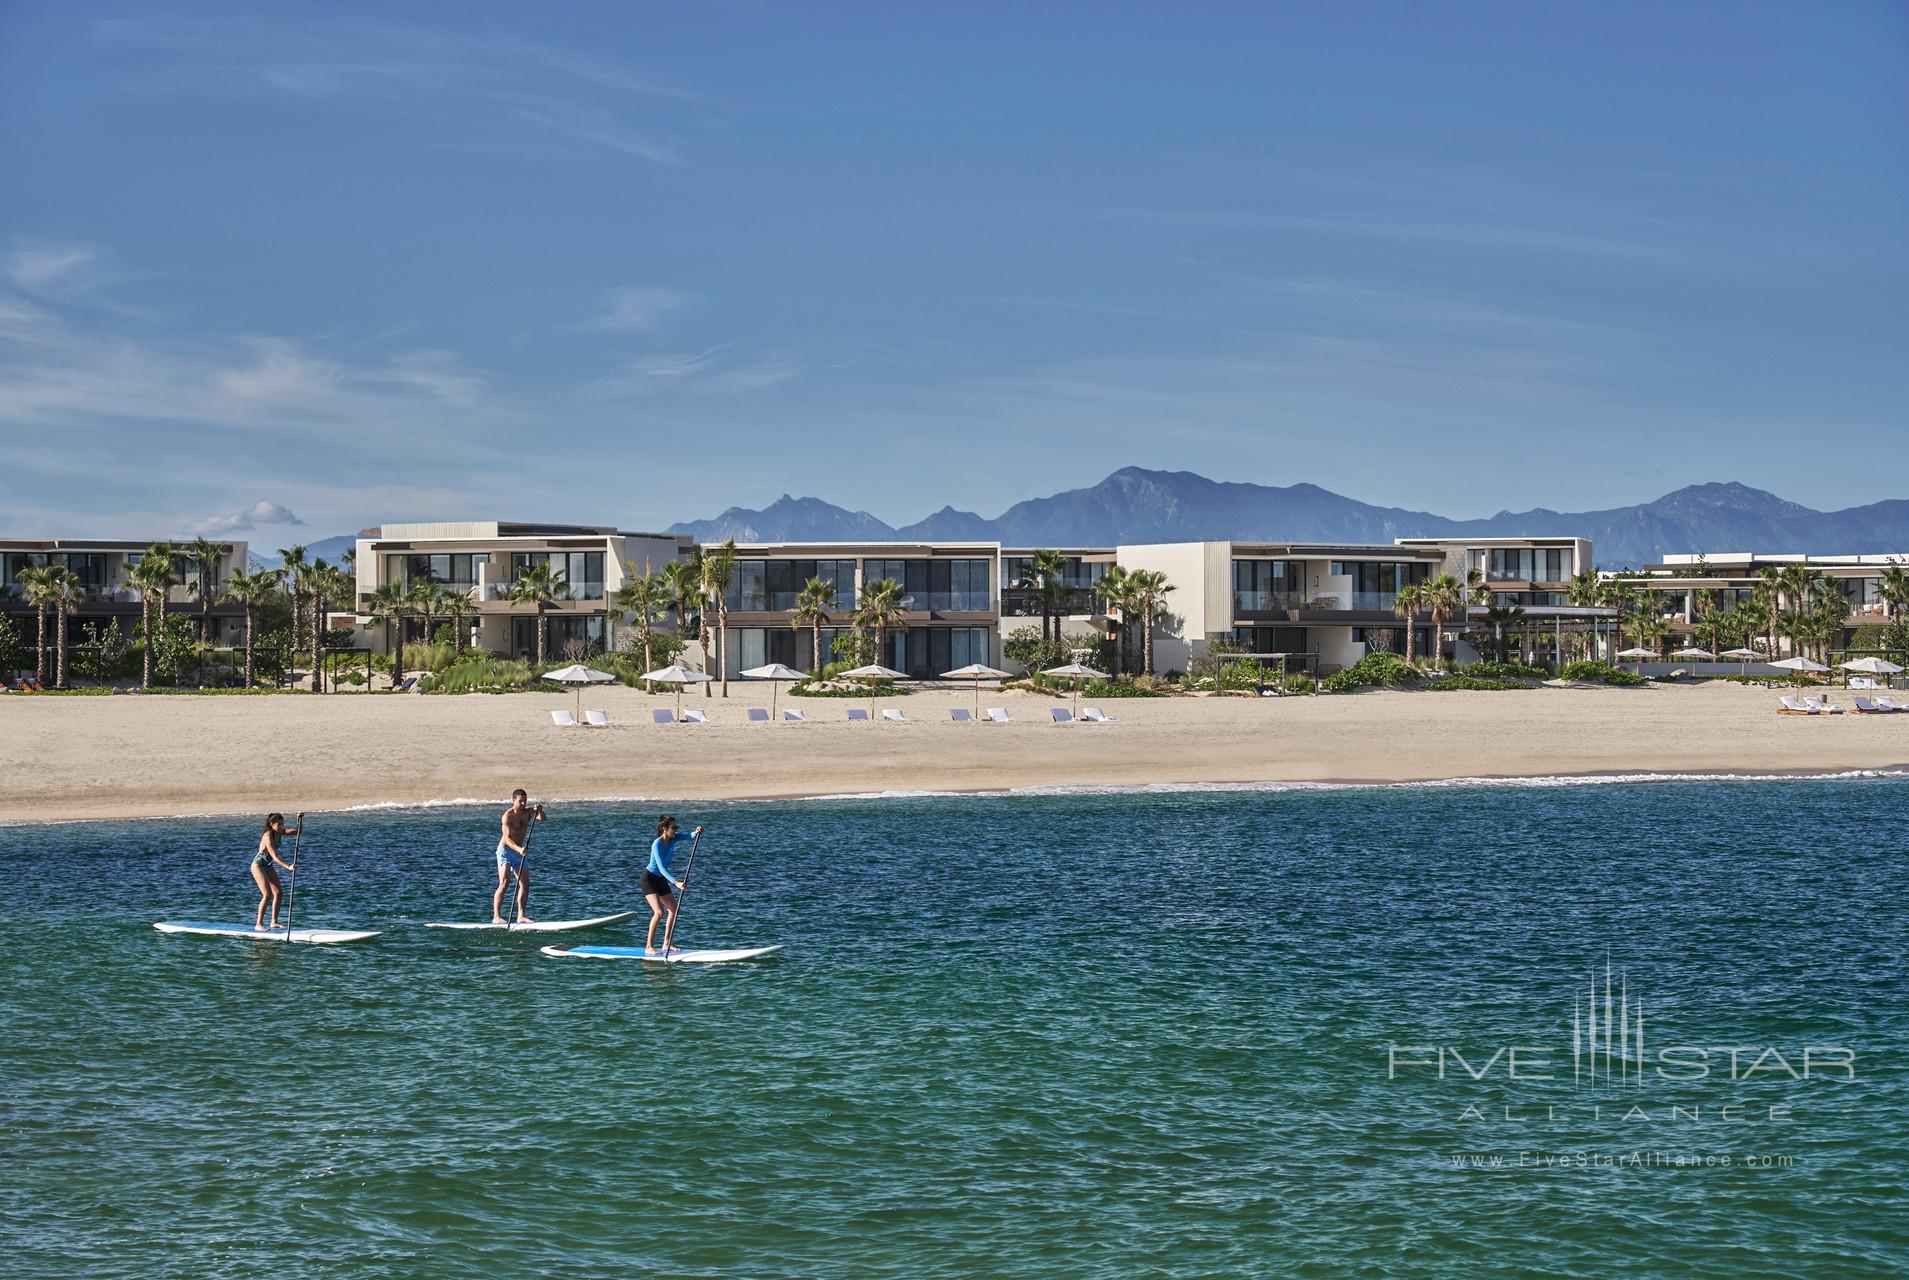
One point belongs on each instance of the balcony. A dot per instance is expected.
(1261, 602)
(499, 592)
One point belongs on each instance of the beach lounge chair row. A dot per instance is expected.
(756, 715)
(1815, 705)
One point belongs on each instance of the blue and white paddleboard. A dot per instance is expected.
(321, 937)
(544, 926)
(676, 955)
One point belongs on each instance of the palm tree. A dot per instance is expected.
(326, 583)
(36, 584)
(458, 607)
(1042, 575)
(1150, 587)
(683, 579)
(812, 605)
(719, 566)
(1500, 618)
(1586, 592)
(880, 611)
(644, 596)
(1444, 596)
(291, 563)
(248, 589)
(1892, 588)
(1407, 604)
(1116, 591)
(206, 555)
(537, 585)
(426, 599)
(153, 578)
(388, 604)
(68, 590)
(1767, 595)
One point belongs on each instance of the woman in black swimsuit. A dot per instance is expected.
(264, 873)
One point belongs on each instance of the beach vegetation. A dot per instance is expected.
(810, 610)
(248, 589)
(325, 584)
(881, 610)
(481, 673)
(1505, 671)
(1476, 683)
(1590, 672)
(852, 649)
(1375, 670)
(831, 683)
(271, 655)
(1045, 577)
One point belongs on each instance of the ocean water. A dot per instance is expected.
(1183, 1034)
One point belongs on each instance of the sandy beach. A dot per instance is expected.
(126, 757)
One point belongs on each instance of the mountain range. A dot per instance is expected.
(1134, 505)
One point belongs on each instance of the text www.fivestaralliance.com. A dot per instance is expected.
(1505, 1161)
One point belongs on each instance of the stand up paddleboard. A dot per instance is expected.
(320, 937)
(676, 956)
(544, 926)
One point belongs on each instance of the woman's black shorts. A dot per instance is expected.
(653, 883)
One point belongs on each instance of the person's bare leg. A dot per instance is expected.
(497, 899)
(265, 892)
(276, 891)
(523, 895)
(656, 914)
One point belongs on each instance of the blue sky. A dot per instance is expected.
(635, 263)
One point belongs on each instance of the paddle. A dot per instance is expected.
(291, 893)
(682, 897)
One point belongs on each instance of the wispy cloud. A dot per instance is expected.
(699, 372)
(442, 80)
(36, 267)
(264, 511)
(638, 307)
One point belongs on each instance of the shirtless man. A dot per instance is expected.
(511, 857)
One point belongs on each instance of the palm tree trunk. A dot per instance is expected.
(59, 649)
(145, 627)
(815, 645)
(540, 635)
(397, 659)
(722, 642)
(248, 642)
(39, 656)
(318, 647)
(1146, 640)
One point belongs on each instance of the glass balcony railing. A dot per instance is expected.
(1267, 601)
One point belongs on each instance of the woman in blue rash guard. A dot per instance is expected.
(657, 880)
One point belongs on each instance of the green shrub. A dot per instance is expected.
(482, 674)
(1123, 688)
(1480, 683)
(1380, 670)
(1504, 671)
(1600, 673)
(1300, 682)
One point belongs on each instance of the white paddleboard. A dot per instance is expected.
(677, 955)
(544, 926)
(322, 937)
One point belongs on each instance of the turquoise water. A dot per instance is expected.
(1091, 1035)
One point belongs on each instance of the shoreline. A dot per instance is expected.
(86, 759)
(1213, 787)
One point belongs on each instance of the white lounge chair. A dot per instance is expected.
(662, 715)
(1791, 707)
(563, 720)
(894, 715)
(790, 713)
(757, 715)
(960, 715)
(999, 715)
(1094, 715)
(1863, 682)
(1061, 715)
(695, 715)
(1818, 704)
(858, 713)
(1865, 707)
(1888, 704)
(598, 719)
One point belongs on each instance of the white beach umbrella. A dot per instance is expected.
(1078, 672)
(1693, 651)
(1800, 663)
(1745, 656)
(777, 673)
(874, 671)
(1637, 652)
(1873, 666)
(975, 673)
(579, 675)
(679, 675)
